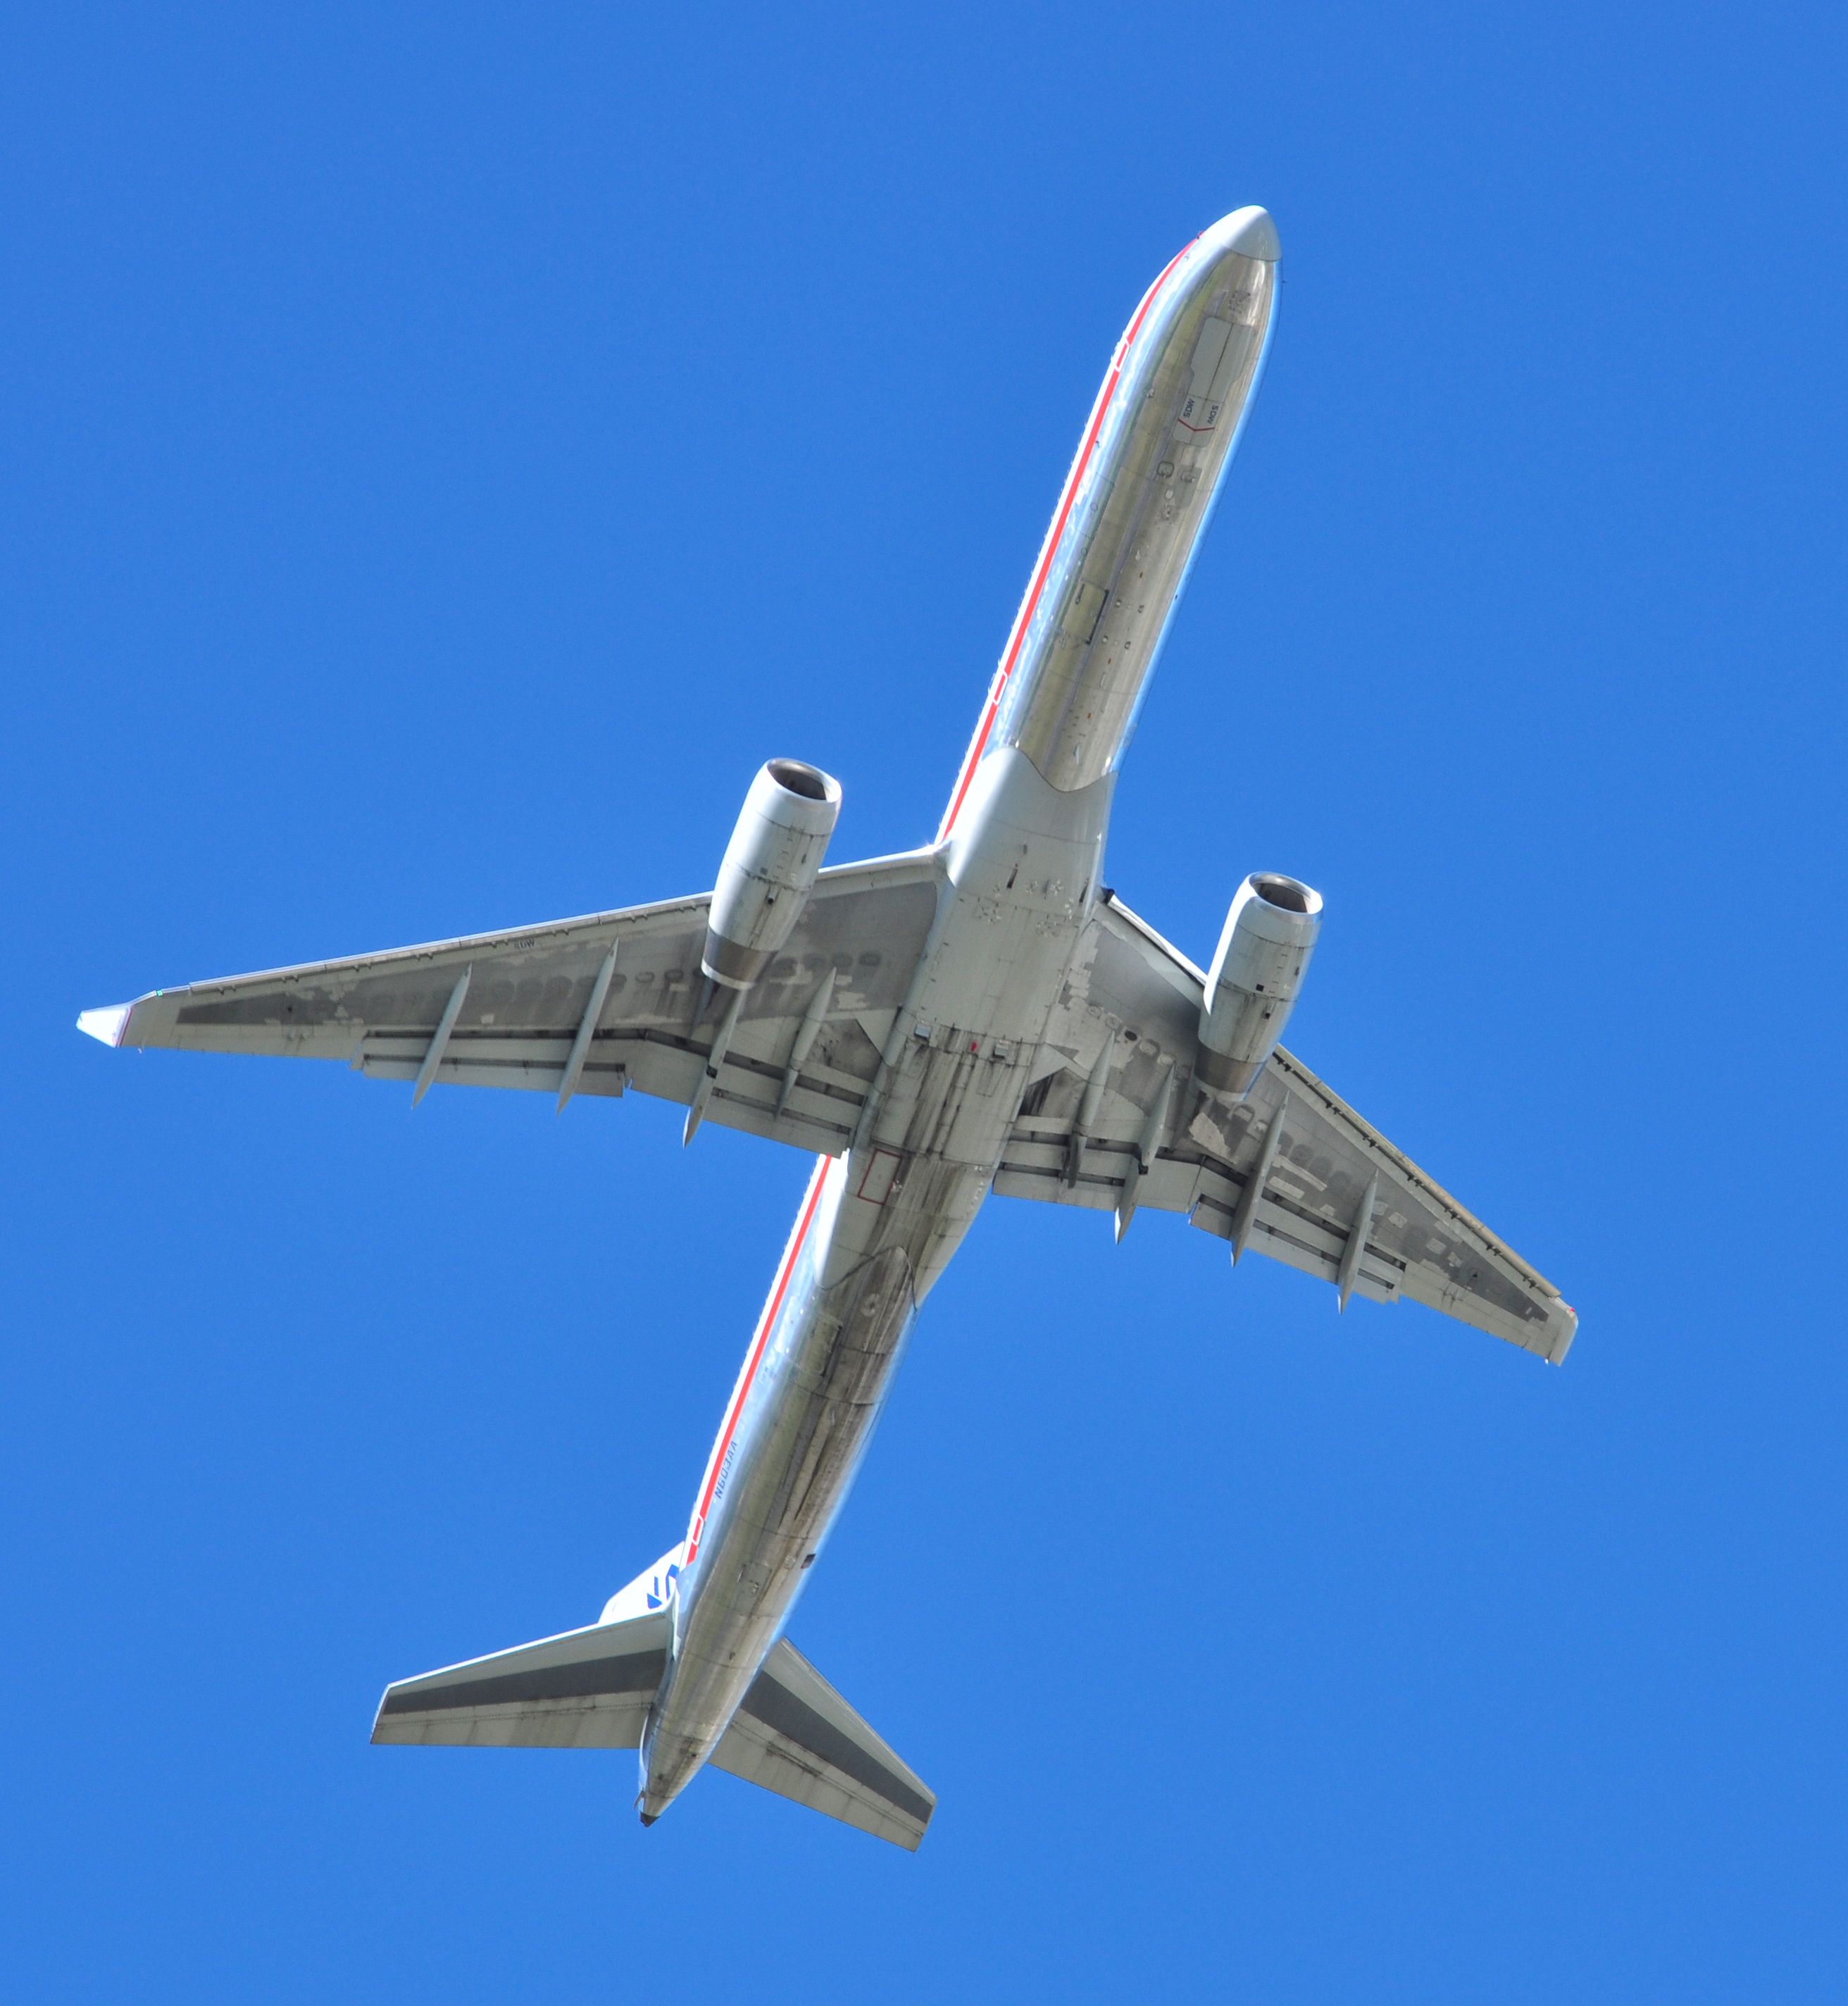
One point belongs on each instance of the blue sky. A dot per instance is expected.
(446, 451)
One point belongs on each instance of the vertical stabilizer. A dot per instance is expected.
(652, 1589)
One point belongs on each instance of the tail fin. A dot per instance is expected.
(589, 1688)
(652, 1589)
(794, 1734)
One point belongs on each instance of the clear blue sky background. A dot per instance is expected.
(445, 450)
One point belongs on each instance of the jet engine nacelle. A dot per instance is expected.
(768, 869)
(1270, 933)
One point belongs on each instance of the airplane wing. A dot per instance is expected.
(595, 1005)
(1114, 1122)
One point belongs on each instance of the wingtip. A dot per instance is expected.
(106, 1026)
(1563, 1343)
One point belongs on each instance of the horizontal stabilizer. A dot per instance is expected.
(794, 1734)
(589, 1688)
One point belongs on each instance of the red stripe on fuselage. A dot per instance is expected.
(1073, 480)
(765, 1324)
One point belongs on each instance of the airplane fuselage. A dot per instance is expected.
(1020, 854)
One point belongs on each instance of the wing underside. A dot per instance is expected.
(1293, 1172)
(599, 1004)
(595, 1006)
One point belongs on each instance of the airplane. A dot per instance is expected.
(982, 1015)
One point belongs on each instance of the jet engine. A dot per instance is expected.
(768, 869)
(1269, 935)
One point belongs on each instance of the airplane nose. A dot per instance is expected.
(1250, 232)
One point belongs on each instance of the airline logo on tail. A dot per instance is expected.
(652, 1589)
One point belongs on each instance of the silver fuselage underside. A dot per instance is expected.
(1021, 855)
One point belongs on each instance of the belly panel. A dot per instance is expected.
(1136, 502)
(812, 1390)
